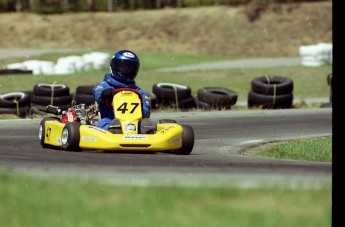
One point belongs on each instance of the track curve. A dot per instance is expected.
(220, 136)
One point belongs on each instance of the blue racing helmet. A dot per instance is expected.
(124, 65)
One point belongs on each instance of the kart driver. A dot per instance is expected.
(124, 66)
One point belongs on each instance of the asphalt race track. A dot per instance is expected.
(220, 136)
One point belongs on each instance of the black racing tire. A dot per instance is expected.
(14, 71)
(330, 83)
(188, 103)
(56, 90)
(187, 140)
(70, 137)
(42, 132)
(202, 105)
(84, 98)
(20, 112)
(326, 105)
(329, 79)
(55, 101)
(272, 85)
(217, 97)
(9, 100)
(84, 89)
(35, 111)
(30, 94)
(169, 91)
(270, 101)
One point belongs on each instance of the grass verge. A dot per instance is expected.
(29, 201)
(312, 149)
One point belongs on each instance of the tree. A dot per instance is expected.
(65, 5)
(110, 6)
(158, 4)
(90, 5)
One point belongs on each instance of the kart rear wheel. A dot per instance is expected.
(71, 136)
(187, 140)
(42, 131)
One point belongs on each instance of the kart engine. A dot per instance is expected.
(85, 114)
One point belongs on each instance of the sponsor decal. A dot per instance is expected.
(134, 137)
(49, 130)
(88, 138)
(128, 54)
(58, 140)
(126, 92)
(97, 129)
(130, 127)
(167, 129)
(176, 140)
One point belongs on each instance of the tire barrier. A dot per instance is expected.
(17, 103)
(50, 94)
(272, 85)
(217, 97)
(202, 105)
(14, 71)
(330, 83)
(271, 92)
(171, 95)
(83, 94)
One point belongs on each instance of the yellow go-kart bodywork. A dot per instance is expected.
(166, 136)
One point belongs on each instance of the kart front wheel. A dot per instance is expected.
(187, 140)
(71, 136)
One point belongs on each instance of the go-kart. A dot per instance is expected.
(75, 129)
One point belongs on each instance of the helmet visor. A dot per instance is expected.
(126, 68)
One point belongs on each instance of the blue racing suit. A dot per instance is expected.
(107, 113)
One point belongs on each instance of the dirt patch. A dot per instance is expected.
(278, 31)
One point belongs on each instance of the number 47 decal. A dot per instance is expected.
(123, 108)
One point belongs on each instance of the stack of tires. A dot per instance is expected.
(329, 82)
(171, 95)
(216, 98)
(17, 103)
(271, 92)
(50, 94)
(83, 94)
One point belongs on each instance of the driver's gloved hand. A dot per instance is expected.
(108, 93)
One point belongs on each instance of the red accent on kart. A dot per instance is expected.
(69, 117)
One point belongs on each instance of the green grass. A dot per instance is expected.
(313, 149)
(29, 201)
